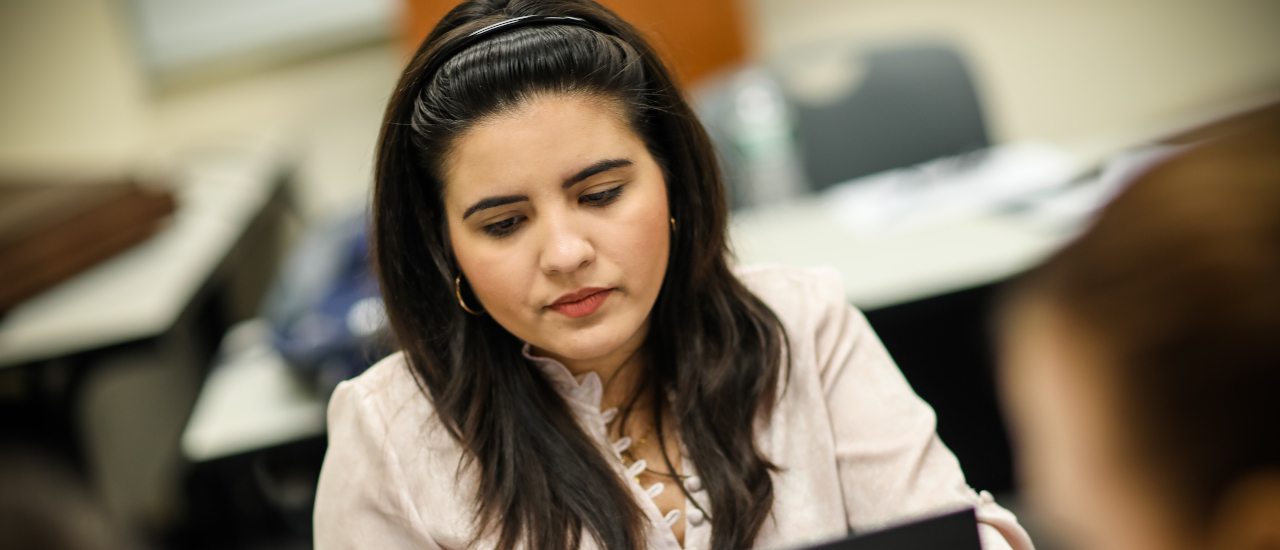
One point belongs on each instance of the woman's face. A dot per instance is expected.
(558, 218)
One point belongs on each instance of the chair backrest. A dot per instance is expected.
(903, 105)
(914, 104)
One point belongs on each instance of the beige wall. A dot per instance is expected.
(71, 95)
(1068, 69)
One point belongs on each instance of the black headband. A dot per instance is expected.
(449, 50)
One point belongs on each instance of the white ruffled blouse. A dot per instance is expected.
(856, 446)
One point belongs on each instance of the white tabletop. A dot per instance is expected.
(927, 230)
(906, 265)
(250, 400)
(140, 292)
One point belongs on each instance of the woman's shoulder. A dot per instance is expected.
(798, 295)
(773, 276)
(386, 399)
(390, 465)
(823, 328)
(387, 381)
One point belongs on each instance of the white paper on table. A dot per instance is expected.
(948, 188)
(1074, 206)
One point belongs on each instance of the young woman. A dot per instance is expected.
(580, 366)
(1143, 362)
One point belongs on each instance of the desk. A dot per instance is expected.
(251, 400)
(106, 365)
(899, 267)
(141, 292)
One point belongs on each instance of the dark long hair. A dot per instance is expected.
(712, 343)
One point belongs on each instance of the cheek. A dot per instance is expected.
(640, 244)
(498, 277)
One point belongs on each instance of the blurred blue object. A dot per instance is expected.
(325, 308)
(826, 114)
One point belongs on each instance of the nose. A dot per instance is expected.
(565, 248)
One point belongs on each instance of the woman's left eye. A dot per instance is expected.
(503, 227)
(602, 198)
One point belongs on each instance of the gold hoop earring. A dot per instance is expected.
(457, 290)
(673, 225)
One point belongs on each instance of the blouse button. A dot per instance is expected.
(695, 517)
(693, 484)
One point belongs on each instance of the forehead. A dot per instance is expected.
(547, 138)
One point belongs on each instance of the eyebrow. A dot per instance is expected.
(493, 202)
(597, 168)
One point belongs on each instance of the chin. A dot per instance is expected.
(590, 343)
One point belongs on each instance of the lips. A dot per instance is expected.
(581, 303)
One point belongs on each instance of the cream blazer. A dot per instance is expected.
(857, 446)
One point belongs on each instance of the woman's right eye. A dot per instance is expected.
(503, 227)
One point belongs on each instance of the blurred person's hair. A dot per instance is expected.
(711, 342)
(44, 505)
(1177, 285)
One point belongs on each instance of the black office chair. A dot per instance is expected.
(911, 104)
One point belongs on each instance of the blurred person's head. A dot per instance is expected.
(1141, 364)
